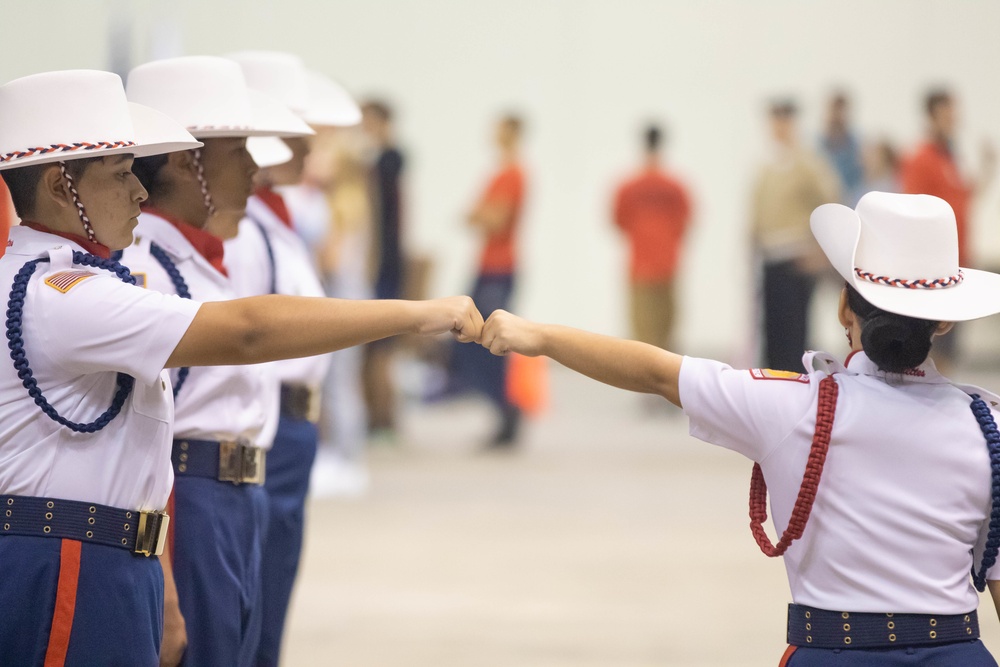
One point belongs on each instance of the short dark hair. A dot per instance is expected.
(147, 170)
(783, 107)
(654, 137)
(378, 108)
(935, 98)
(23, 182)
(514, 121)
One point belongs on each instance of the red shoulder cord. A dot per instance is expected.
(828, 390)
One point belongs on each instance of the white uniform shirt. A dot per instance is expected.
(251, 272)
(905, 491)
(77, 341)
(215, 402)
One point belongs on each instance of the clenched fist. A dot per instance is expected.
(504, 333)
(457, 315)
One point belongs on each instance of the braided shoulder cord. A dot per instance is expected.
(828, 391)
(270, 253)
(15, 341)
(989, 427)
(160, 255)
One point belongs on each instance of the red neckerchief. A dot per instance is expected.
(208, 245)
(93, 247)
(276, 203)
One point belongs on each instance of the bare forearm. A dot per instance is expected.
(267, 328)
(621, 363)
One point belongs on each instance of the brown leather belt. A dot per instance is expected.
(300, 401)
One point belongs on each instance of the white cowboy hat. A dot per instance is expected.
(329, 104)
(210, 97)
(316, 98)
(268, 151)
(900, 252)
(68, 115)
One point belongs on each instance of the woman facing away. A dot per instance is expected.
(879, 467)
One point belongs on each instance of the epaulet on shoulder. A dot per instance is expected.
(992, 400)
(823, 362)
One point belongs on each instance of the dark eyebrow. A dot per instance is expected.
(118, 159)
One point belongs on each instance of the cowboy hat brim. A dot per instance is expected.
(268, 151)
(837, 229)
(269, 118)
(153, 133)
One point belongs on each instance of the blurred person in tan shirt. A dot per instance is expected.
(788, 187)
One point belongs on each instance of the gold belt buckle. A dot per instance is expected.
(314, 404)
(152, 534)
(240, 463)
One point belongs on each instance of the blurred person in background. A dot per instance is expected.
(345, 265)
(881, 164)
(932, 168)
(653, 210)
(495, 218)
(843, 149)
(792, 183)
(385, 186)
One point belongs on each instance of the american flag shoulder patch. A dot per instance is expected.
(64, 281)
(140, 279)
(769, 374)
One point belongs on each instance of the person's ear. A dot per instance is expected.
(844, 313)
(180, 167)
(53, 188)
(943, 327)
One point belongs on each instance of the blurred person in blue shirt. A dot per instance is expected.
(841, 147)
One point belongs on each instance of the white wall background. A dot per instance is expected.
(586, 73)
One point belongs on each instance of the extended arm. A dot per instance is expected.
(266, 328)
(621, 363)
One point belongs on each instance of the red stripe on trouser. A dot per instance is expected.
(788, 654)
(62, 617)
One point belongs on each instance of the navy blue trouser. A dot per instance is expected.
(287, 482)
(959, 654)
(67, 603)
(474, 367)
(218, 533)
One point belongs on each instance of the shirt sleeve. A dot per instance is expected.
(102, 324)
(748, 411)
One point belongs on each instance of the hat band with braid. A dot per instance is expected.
(80, 211)
(203, 182)
(64, 148)
(919, 283)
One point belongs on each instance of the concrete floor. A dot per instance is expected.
(612, 538)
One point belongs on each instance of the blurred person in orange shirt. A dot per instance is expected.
(496, 217)
(793, 182)
(653, 210)
(932, 169)
(7, 217)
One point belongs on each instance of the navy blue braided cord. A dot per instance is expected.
(989, 427)
(15, 341)
(270, 253)
(180, 286)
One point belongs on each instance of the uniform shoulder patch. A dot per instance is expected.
(140, 278)
(64, 281)
(788, 376)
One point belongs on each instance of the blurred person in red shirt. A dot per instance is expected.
(933, 169)
(653, 210)
(495, 217)
(7, 217)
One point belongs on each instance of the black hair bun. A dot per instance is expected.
(896, 343)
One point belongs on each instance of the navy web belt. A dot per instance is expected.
(818, 628)
(235, 461)
(29, 516)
